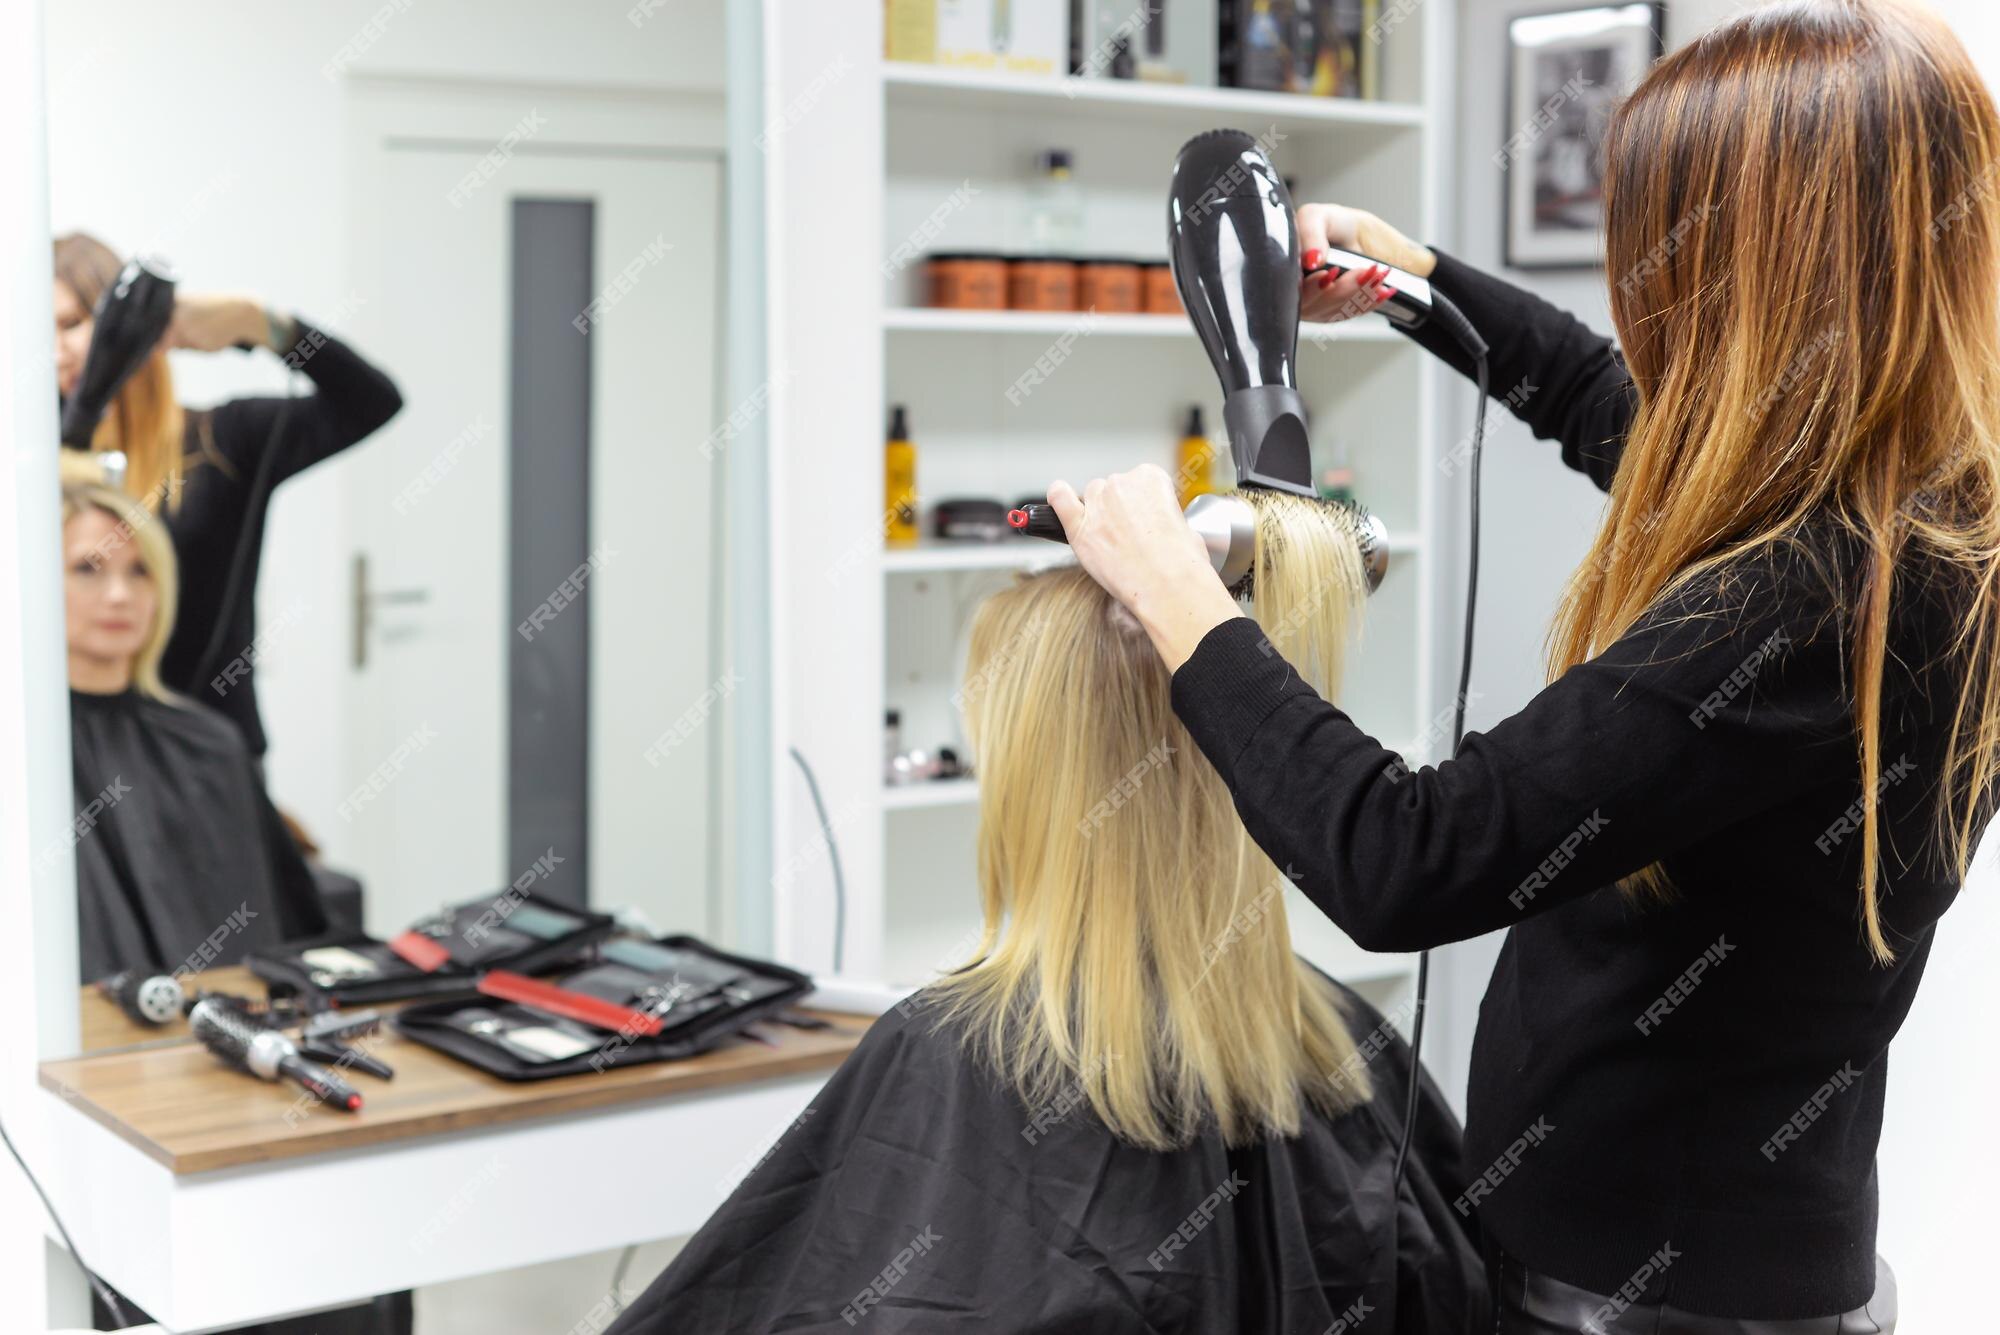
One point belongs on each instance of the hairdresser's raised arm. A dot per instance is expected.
(1700, 717)
(1564, 380)
(351, 396)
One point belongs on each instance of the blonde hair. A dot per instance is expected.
(138, 525)
(1135, 953)
(144, 421)
(1860, 382)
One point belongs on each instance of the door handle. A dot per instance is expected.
(366, 601)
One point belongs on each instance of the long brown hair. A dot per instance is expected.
(1805, 270)
(145, 420)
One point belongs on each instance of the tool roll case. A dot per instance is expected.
(635, 1002)
(442, 955)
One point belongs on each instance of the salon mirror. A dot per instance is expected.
(493, 639)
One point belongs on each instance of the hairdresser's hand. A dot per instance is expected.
(1130, 534)
(1325, 298)
(208, 322)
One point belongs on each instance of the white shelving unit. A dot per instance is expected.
(895, 158)
(1036, 324)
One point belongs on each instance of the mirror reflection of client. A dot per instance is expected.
(1136, 1110)
(211, 471)
(180, 858)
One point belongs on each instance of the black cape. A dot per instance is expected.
(909, 1197)
(180, 857)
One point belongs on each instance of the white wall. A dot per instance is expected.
(206, 130)
(1937, 1157)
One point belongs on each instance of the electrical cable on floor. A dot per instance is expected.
(833, 855)
(618, 1278)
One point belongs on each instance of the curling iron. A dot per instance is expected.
(127, 323)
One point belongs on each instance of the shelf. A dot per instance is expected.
(941, 557)
(965, 792)
(935, 85)
(937, 793)
(1055, 324)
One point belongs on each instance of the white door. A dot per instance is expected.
(434, 524)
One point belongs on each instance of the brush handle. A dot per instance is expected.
(1038, 521)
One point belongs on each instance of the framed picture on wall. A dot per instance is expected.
(1566, 71)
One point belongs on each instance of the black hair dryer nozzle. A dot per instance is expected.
(128, 321)
(1235, 250)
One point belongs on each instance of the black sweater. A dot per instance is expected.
(222, 503)
(1704, 1075)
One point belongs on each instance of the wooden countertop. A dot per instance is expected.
(180, 1105)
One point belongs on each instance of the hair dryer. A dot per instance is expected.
(1235, 253)
(1234, 246)
(127, 324)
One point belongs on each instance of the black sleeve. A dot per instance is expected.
(1725, 700)
(1565, 381)
(351, 399)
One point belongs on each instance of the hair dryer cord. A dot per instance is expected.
(1476, 347)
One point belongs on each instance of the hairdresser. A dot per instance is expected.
(210, 473)
(1721, 839)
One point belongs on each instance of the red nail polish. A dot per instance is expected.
(1385, 292)
(1312, 259)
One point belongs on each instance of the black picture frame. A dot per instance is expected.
(1547, 223)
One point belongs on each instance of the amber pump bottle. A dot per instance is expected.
(1194, 470)
(899, 511)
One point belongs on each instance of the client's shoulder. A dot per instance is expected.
(915, 1029)
(195, 726)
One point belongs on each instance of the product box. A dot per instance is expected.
(1159, 41)
(1003, 36)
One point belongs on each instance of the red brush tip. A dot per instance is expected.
(1018, 518)
(354, 1103)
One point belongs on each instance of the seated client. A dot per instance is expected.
(1136, 1110)
(181, 862)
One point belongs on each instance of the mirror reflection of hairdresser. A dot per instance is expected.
(211, 472)
(1135, 1112)
(1722, 837)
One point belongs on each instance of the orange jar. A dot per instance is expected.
(968, 282)
(1162, 297)
(1109, 287)
(1041, 283)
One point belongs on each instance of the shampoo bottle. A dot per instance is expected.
(899, 522)
(1194, 472)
